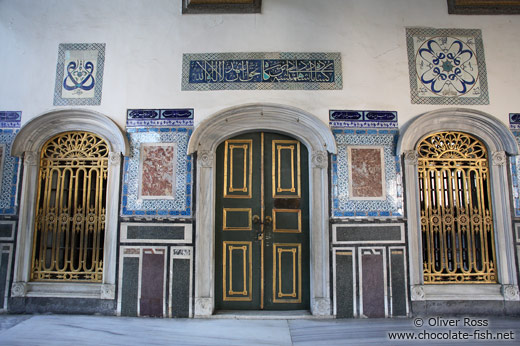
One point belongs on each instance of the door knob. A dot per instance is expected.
(268, 220)
(256, 219)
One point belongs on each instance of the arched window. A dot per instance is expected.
(70, 209)
(455, 209)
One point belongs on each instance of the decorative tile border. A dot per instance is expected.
(159, 117)
(261, 71)
(180, 204)
(342, 203)
(9, 165)
(79, 74)
(447, 66)
(362, 119)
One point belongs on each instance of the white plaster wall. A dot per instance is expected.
(145, 40)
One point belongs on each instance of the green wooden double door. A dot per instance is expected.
(261, 220)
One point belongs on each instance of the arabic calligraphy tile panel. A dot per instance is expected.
(262, 71)
(447, 66)
(79, 74)
(10, 119)
(362, 119)
(514, 121)
(342, 203)
(9, 173)
(159, 117)
(181, 203)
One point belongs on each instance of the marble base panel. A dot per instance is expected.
(465, 308)
(369, 270)
(155, 281)
(6, 252)
(39, 305)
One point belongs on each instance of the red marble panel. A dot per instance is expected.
(373, 288)
(152, 284)
(157, 171)
(366, 172)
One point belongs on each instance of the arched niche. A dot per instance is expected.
(318, 139)
(27, 145)
(500, 143)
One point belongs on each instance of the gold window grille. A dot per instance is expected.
(70, 211)
(456, 213)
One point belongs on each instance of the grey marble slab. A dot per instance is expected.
(103, 330)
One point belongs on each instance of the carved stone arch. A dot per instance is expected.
(294, 122)
(28, 144)
(499, 141)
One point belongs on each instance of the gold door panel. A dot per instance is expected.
(237, 219)
(286, 173)
(287, 272)
(237, 274)
(238, 166)
(291, 218)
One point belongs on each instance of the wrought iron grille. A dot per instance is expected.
(456, 214)
(70, 212)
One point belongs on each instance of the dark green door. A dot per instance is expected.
(261, 220)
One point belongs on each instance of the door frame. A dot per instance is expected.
(291, 121)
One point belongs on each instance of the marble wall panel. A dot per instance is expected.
(6, 252)
(142, 293)
(366, 173)
(155, 281)
(181, 282)
(157, 171)
(372, 278)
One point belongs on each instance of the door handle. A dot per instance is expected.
(267, 221)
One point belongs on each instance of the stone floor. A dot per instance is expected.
(101, 330)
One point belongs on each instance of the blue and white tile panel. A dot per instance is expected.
(178, 207)
(9, 165)
(342, 205)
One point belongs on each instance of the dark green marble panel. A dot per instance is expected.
(180, 288)
(398, 279)
(368, 233)
(344, 285)
(155, 232)
(130, 286)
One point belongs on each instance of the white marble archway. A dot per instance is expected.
(28, 144)
(316, 136)
(500, 143)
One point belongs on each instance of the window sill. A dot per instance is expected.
(464, 292)
(63, 290)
